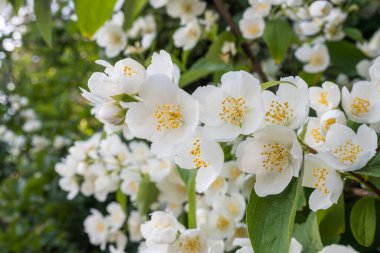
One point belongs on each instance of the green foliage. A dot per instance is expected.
(132, 9)
(278, 35)
(214, 52)
(308, 234)
(92, 14)
(363, 221)
(146, 195)
(270, 219)
(44, 20)
(332, 222)
(372, 168)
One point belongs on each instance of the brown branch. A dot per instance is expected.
(222, 9)
(359, 192)
(370, 186)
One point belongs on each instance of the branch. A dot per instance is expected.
(370, 186)
(222, 9)
(359, 192)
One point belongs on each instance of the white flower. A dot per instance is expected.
(162, 64)
(158, 3)
(96, 226)
(186, 37)
(347, 151)
(317, 58)
(130, 183)
(314, 136)
(372, 47)
(192, 240)
(68, 181)
(320, 8)
(324, 98)
(252, 28)
(203, 154)
(289, 106)
(145, 27)
(210, 18)
(362, 105)
(158, 169)
(161, 228)
(134, 222)
(363, 68)
(374, 73)
(234, 108)
(166, 115)
(332, 117)
(326, 181)
(258, 8)
(246, 247)
(112, 37)
(220, 224)
(233, 204)
(111, 113)
(116, 217)
(274, 155)
(187, 10)
(310, 27)
(334, 248)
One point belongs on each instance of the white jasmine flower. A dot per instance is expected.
(326, 181)
(96, 226)
(334, 248)
(320, 8)
(203, 154)
(116, 217)
(324, 98)
(111, 113)
(363, 68)
(374, 73)
(258, 8)
(332, 117)
(68, 182)
(161, 228)
(186, 37)
(158, 169)
(112, 37)
(130, 183)
(372, 47)
(246, 247)
(134, 222)
(289, 106)
(209, 20)
(274, 155)
(233, 204)
(317, 58)
(158, 3)
(347, 151)
(166, 115)
(187, 10)
(232, 109)
(362, 104)
(162, 64)
(315, 137)
(145, 27)
(310, 27)
(192, 240)
(221, 224)
(252, 28)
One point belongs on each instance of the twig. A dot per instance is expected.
(359, 192)
(361, 179)
(220, 6)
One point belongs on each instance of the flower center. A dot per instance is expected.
(233, 110)
(128, 71)
(360, 106)
(234, 210)
(222, 223)
(187, 8)
(218, 183)
(316, 59)
(279, 113)
(323, 98)
(276, 157)
(190, 245)
(348, 153)
(196, 152)
(328, 123)
(168, 117)
(317, 135)
(253, 29)
(100, 227)
(320, 175)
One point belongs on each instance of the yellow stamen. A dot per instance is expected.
(360, 106)
(233, 110)
(279, 113)
(275, 157)
(323, 98)
(320, 184)
(168, 117)
(196, 152)
(348, 153)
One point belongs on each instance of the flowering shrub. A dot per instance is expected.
(215, 126)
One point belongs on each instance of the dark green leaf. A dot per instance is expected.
(121, 198)
(354, 33)
(192, 217)
(125, 98)
(308, 234)
(92, 14)
(269, 84)
(331, 222)
(310, 79)
(372, 168)
(363, 221)
(146, 195)
(16, 5)
(278, 35)
(214, 52)
(270, 219)
(43, 19)
(344, 56)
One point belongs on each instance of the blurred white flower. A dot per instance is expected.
(320, 8)
(186, 37)
(192, 240)
(96, 226)
(162, 228)
(317, 58)
(162, 64)
(252, 27)
(186, 10)
(324, 98)
(334, 248)
(112, 37)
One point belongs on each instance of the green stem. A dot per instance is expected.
(191, 215)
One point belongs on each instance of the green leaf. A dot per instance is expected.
(310, 79)
(192, 217)
(344, 56)
(121, 198)
(372, 168)
(215, 50)
(363, 221)
(146, 195)
(301, 200)
(43, 19)
(132, 9)
(92, 14)
(354, 33)
(200, 69)
(269, 84)
(125, 98)
(308, 234)
(278, 35)
(270, 219)
(332, 222)
(16, 5)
